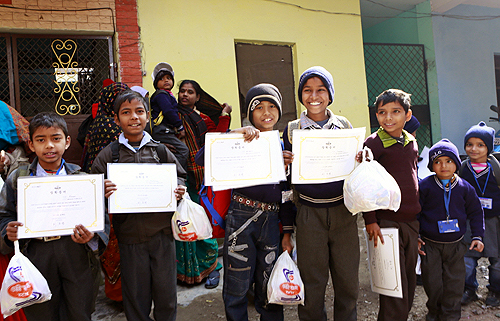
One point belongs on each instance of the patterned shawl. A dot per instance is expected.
(103, 130)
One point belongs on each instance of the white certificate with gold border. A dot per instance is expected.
(54, 205)
(323, 156)
(142, 187)
(230, 162)
(383, 263)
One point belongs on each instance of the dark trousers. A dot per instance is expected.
(249, 259)
(149, 275)
(392, 308)
(327, 242)
(68, 269)
(443, 277)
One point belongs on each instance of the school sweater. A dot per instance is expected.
(400, 160)
(165, 102)
(492, 191)
(464, 204)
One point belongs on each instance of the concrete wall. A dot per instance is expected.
(198, 38)
(466, 71)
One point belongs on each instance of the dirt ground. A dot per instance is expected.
(210, 306)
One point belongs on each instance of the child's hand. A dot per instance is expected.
(4, 161)
(170, 147)
(249, 133)
(179, 192)
(420, 243)
(181, 134)
(81, 235)
(287, 157)
(476, 245)
(286, 243)
(12, 230)
(109, 188)
(226, 108)
(374, 232)
(359, 156)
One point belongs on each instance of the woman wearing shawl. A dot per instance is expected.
(103, 129)
(101, 133)
(200, 113)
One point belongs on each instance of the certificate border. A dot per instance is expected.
(85, 178)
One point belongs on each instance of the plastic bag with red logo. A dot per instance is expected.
(190, 222)
(285, 285)
(23, 284)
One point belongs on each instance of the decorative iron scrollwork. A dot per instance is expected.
(66, 77)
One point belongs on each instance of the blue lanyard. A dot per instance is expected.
(487, 177)
(447, 196)
(58, 171)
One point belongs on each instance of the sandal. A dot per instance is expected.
(212, 280)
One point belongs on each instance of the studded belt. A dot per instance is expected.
(271, 207)
(48, 238)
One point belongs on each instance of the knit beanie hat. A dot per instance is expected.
(262, 92)
(412, 125)
(483, 132)
(323, 74)
(443, 148)
(160, 70)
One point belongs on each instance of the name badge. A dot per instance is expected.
(448, 226)
(486, 203)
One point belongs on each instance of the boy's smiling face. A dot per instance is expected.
(49, 144)
(476, 150)
(265, 115)
(444, 167)
(315, 97)
(132, 118)
(392, 118)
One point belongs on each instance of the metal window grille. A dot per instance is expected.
(52, 73)
(403, 67)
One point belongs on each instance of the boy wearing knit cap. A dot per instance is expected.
(397, 151)
(479, 171)
(165, 115)
(447, 203)
(327, 233)
(252, 232)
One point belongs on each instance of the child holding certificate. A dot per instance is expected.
(145, 240)
(64, 261)
(327, 233)
(396, 150)
(447, 201)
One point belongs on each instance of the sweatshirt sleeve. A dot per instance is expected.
(168, 106)
(475, 213)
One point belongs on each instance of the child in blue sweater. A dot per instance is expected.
(479, 172)
(447, 203)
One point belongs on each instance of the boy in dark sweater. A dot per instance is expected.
(478, 171)
(396, 150)
(447, 203)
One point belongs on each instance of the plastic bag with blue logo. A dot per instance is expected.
(285, 286)
(190, 222)
(23, 285)
(370, 187)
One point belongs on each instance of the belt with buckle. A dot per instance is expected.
(48, 238)
(271, 207)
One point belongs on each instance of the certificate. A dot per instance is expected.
(383, 262)
(230, 162)
(323, 156)
(54, 205)
(142, 188)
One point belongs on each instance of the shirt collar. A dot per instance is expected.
(145, 139)
(308, 123)
(388, 140)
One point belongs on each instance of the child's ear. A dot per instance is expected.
(408, 115)
(30, 145)
(68, 142)
(117, 120)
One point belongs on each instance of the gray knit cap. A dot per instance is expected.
(262, 92)
(323, 74)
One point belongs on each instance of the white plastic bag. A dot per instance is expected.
(370, 187)
(285, 286)
(23, 285)
(190, 222)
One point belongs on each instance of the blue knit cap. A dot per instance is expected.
(443, 148)
(483, 132)
(323, 74)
